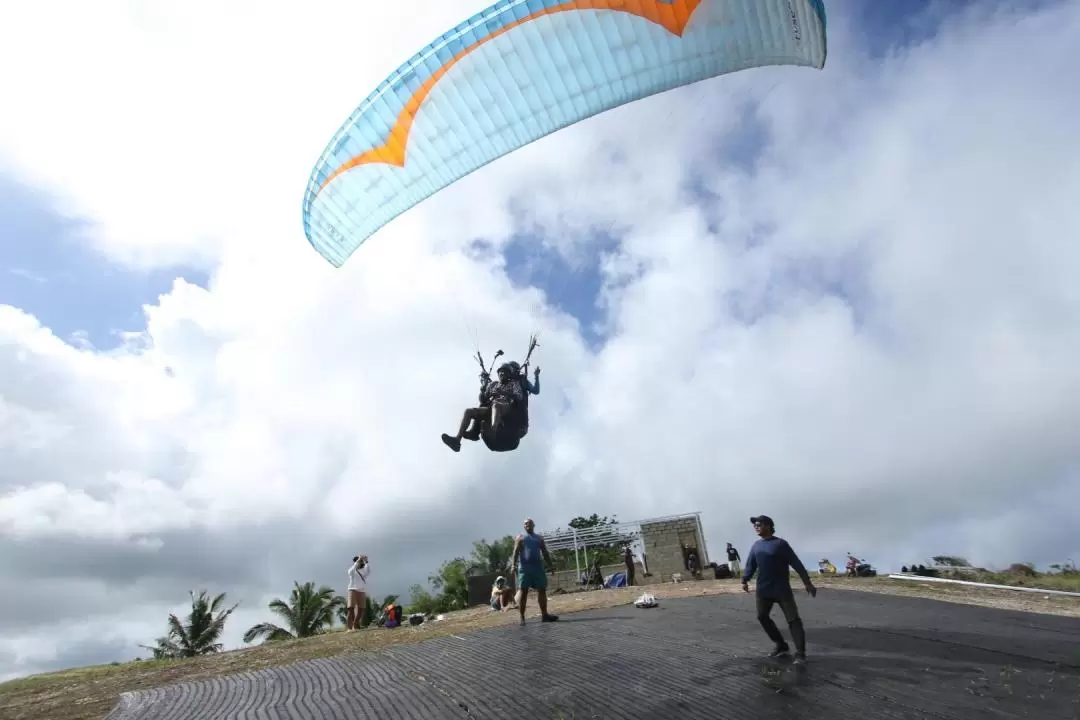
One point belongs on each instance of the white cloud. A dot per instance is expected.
(260, 429)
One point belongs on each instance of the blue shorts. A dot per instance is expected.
(532, 578)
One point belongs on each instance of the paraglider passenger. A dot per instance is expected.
(527, 388)
(532, 388)
(502, 396)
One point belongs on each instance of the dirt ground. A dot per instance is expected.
(90, 693)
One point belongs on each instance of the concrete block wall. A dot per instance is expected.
(663, 548)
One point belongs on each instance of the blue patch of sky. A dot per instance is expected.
(48, 269)
(571, 286)
(886, 27)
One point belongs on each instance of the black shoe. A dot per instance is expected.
(549, 618)
(451, 442)
(800, 658)
(780, 652)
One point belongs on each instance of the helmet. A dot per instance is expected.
(514, 366)
(505, 367)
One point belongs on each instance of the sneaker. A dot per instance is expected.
(549, 618)
(780, 652)
(451, 442)
(800, 658)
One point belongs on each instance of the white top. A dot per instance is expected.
(358, 576)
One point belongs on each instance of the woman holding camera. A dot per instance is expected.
(358, 575)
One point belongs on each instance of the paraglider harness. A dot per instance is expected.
(514, 426)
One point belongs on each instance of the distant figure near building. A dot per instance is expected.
(770, 558)
(733, 560)
(628, 557)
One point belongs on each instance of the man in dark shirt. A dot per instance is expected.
(733, 559)
(770, 557)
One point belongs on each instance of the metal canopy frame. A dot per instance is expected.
(581, 540)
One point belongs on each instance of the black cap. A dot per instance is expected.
(763, 519)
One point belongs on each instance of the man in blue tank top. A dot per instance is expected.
(530, 557)
(770, 558)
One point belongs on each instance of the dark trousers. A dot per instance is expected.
(791, 614)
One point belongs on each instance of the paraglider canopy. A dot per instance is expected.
(520, 70)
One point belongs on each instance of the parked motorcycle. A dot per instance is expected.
(858, 567)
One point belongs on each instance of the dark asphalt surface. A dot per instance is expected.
(870, 656)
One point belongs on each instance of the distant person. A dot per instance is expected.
(596, 577)
(693, 564)
(530, 557)
(644, 561)
(628, 558)
(770, 558)
(733, 560)
(502, 595)
(358, 575)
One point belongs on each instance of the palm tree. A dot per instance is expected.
(308, 612)
(199, 634)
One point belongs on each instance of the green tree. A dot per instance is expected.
(449, 589)
(451, 582)
(422, 600)
(493, 558)
(609, 552)
(198, 634)
(309, 611)
(950, 561)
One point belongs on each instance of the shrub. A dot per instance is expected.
(1022, 570)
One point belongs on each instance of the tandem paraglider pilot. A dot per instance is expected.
(496, 421)
(501, 418)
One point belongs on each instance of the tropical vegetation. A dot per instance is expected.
(310, 610)
(198, 634)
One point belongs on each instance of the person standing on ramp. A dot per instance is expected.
(770, 558)
(530, 556)
(733, 560)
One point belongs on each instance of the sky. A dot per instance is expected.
(848, 302)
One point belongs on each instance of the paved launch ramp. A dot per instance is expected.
(871, 656)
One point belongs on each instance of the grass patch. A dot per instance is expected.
(1016, 575)
(1019, 578)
